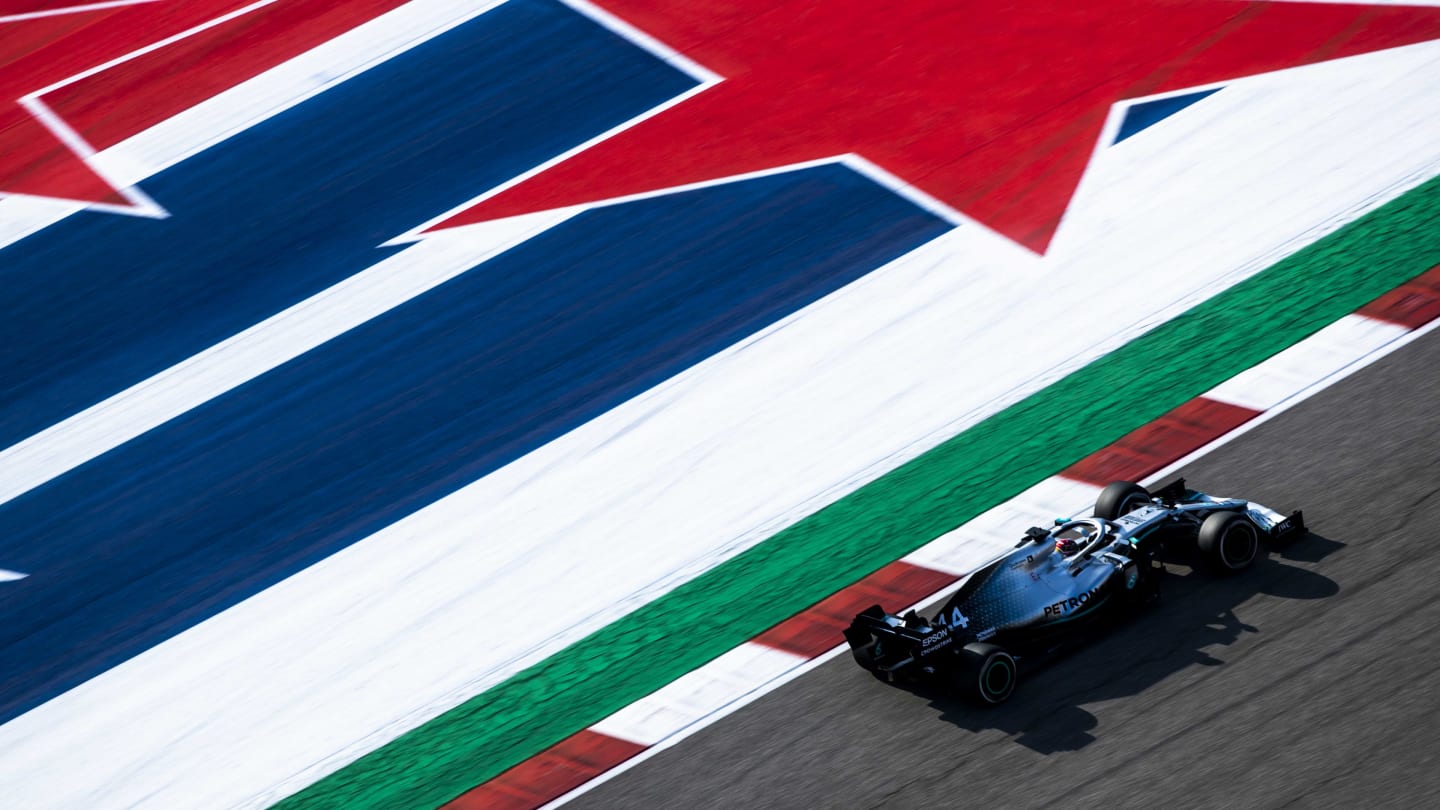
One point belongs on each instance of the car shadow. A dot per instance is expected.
(1195, 614)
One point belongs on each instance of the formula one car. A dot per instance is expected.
(1058, 582)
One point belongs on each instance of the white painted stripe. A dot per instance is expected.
(22, 215)
(699, 694)
(1302, 365)
(151, 48)
(75, 9)
(998, 530)
(7, 575)
(627, 507)
(641, 38)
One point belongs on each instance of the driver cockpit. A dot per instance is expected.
(1075, 536)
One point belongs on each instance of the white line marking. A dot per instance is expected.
(660, 49)
(154, 46)
(55, 12)
(7, 575)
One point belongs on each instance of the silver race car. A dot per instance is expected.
(1060, 581)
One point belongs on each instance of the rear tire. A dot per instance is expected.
(1229, 542)
(1120, 497)
(986, 674)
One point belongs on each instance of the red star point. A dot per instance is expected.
(993, 109)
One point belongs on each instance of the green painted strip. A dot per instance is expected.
(976, 470)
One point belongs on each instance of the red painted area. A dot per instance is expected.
(123, 100)
(819, 627)
(550, 774)
(1412, 304)
(1151, 447)
(992, 108)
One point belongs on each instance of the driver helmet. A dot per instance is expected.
(1074, 537)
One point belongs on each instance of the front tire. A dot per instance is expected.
(1120, 497)
(987, 674)
(1229, 541)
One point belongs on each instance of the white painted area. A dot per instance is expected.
(699, 694)
(998, 530)
(7, 575)
(1297, 368)
(22, 215)
(342, 658)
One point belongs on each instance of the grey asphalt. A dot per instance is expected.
(1309, 681)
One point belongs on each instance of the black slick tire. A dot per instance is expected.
(1229, 542)
(1120, 497)
(986, 674)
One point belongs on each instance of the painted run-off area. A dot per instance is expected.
(1078, 271)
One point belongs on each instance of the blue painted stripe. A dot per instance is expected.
(214, 506)
(98, 302)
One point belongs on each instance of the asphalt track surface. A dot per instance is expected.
(1309, 681)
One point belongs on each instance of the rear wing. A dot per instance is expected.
(886, 644)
